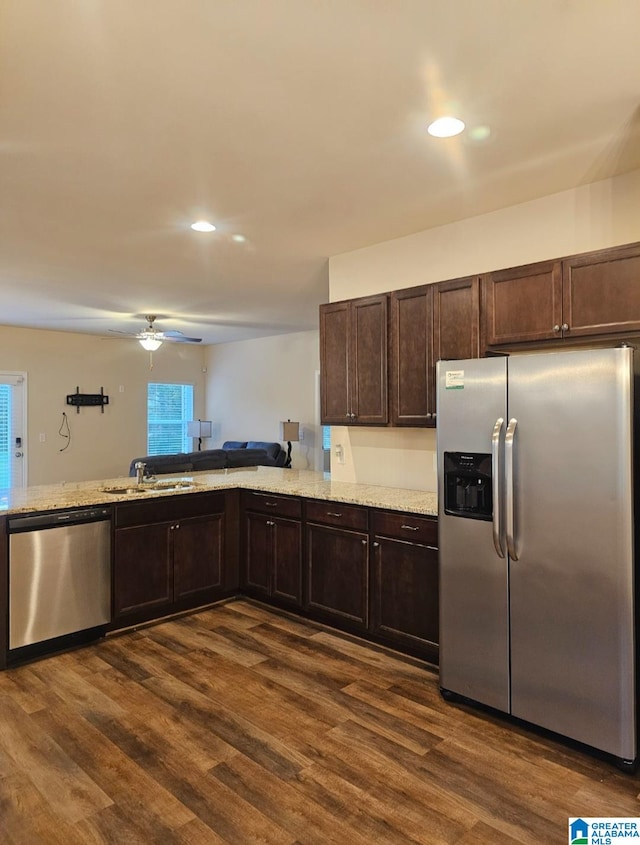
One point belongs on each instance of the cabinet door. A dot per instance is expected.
(286, 580)
(412, 381)
(524, 304)
(368, 361)
(456, 319)
(601, 292)
(337, 564)
(257, 547)
(405, 592)
(198, 546)
(334, 363)
(143, 572)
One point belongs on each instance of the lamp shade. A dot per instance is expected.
(199, 428)
(289, 430)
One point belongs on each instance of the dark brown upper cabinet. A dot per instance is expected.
(412, 399)
(595, 294)
(456, 319)
(353, 361)
(601, 292)
(428, 324)
(523, 304)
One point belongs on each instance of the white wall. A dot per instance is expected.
(254, 384)
(102, 445)
(590, 217)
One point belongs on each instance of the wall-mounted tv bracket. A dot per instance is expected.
(83, 399)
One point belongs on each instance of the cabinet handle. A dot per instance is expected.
(271, 504)
(178, 525)
(556, 328)
(429, 415)
(364, 542)
(269, 522)
(410, 527)
(331, 513)
(347, 415)
(353, 416)
(565, 327)
(376, 544)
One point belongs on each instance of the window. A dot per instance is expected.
(169, 409)
(326, 448)
(12, 410)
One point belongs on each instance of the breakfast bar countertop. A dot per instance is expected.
(291, 482)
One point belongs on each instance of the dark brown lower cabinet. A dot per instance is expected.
(405, 581)
(164, 565)
(198, 556)
(338, 574)
(273, 555)
(273, 548)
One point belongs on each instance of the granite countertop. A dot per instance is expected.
(292, 482)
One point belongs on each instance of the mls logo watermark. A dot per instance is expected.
(603, 831)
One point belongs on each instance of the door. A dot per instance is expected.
(601, 294)
(572, 640)
(338, 567)
(286, 580)
(12, 430)
(368, 364)
(258, 553)
(474, 624)
(143, 572)
(412, 399)
(198, 553)
(523, 304)
(334, 363)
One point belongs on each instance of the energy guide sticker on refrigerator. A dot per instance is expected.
(536, 526)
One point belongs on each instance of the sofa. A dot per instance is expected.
(234, 453)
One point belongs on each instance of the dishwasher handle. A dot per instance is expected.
(56, 519)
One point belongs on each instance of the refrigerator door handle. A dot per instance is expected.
(496, 486)
(510, 490)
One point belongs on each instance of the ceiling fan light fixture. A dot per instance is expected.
(150, 343)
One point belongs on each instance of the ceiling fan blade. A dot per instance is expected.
(127, 334)
(183, 339)
(173, 333)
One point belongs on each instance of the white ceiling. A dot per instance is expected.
(299, 124)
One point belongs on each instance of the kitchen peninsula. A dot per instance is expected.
(357, 557)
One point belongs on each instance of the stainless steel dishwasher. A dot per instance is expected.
(59, 574)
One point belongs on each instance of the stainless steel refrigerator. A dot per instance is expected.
(536, 534)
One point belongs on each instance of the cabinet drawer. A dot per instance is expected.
(335, 513)
(416, 529)
(266, 503)
(166, 508)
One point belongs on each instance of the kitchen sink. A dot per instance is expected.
(150, 487)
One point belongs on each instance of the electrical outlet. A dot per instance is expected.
(339, 452)
(43, 437)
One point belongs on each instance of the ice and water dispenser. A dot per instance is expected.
(467, 485)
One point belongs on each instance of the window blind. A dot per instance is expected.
(169, 409)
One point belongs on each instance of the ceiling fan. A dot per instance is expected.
(152, 339)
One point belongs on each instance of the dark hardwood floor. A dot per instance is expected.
(242, 725)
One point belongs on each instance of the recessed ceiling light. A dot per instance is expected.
(445, 127)
(239, 239)
(203, 226)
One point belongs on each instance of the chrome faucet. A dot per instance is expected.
(140, 468)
